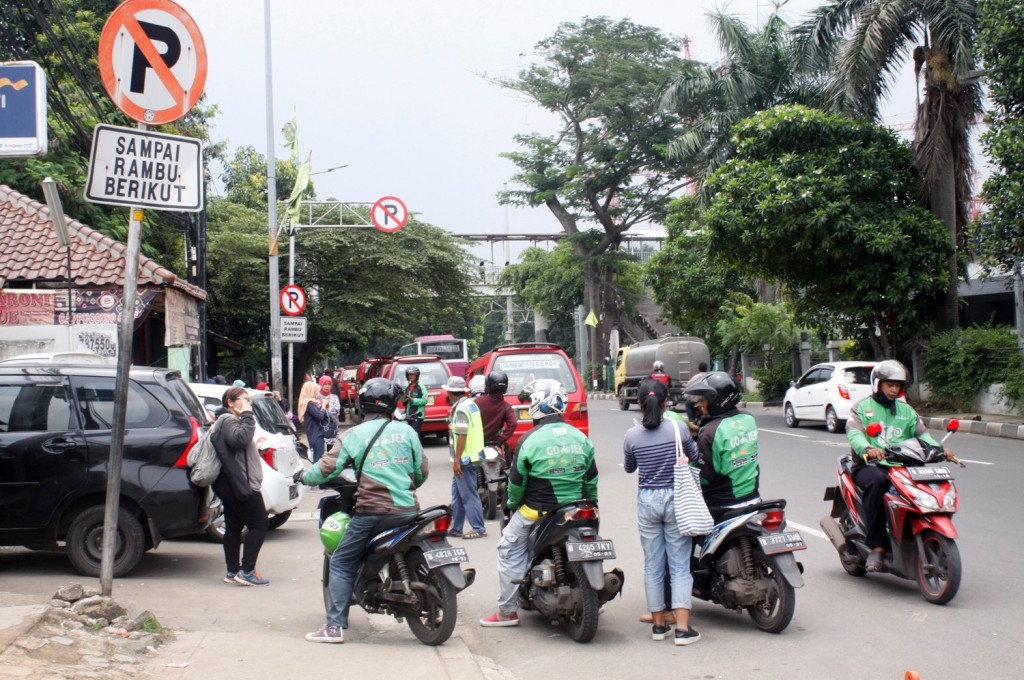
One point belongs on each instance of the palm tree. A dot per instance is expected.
(861, 44)
(758, 71)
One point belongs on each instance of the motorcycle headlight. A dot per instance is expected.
(925, 500)
(949, 500)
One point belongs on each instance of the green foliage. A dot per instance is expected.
(1001, 46)
(825, 204)
(756, 327)
(774, 380)
(245, 179)
(688, 279)
(961, 362)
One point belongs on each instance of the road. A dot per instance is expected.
(844, 627)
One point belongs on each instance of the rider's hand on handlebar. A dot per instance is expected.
(297, 477)
(874, 454)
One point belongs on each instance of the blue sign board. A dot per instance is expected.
(22, 109)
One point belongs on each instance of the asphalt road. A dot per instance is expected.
(844, 627)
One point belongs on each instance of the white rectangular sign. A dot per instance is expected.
(145, 169)
(293, 329)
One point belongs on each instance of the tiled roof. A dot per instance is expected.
(30, 252)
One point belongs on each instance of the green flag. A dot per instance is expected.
(291, 135)
(591, 319)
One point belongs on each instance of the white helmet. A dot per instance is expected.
(890, 369)
(547, 397)
(659, 365)
(477, 385)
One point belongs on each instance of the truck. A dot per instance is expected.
(680, 354)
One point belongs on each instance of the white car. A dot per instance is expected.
(827, 392)
(279, 455)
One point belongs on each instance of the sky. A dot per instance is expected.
(399, 91)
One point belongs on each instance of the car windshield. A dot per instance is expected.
(269, 414)
(432, 374)
(524, 368)
(857, 375)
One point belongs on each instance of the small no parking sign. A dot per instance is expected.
(389, 214)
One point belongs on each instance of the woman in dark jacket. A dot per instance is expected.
(313, 415)
(238, 487)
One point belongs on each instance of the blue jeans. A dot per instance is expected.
(659, 537)
(345, 563)
(466, 503)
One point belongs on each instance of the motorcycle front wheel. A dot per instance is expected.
(581, 623)
(938, 568)
(438, 607)
(773, 615)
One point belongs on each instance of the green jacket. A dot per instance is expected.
(729, 468)
(554, 464)
(415, 401)
(897, 427)
(392, 471)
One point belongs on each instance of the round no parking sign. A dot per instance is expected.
(389, 214)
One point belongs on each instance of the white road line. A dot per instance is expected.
(809, 530)
(976, 462)
(788, 434)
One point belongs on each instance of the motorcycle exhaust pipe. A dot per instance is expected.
(834, 533)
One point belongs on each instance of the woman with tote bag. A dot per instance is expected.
(650, 448)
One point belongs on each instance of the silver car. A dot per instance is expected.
(279, 455)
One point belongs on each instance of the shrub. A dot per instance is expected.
(773, 381)
(963, 361)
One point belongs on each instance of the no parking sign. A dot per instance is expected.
(389, 214)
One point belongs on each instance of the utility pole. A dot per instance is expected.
(275, 284)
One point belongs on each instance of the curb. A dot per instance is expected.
(982, 427)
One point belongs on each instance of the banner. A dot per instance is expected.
(50, 307)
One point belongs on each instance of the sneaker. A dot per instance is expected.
(253, 578)
(499, 620)
(686, 637)
(230, 577)
(659, 633)
(875, 561)
(327, 633)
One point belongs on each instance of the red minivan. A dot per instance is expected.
(529, 361)
(434, 374)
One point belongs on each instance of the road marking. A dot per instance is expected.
(976, 462)
(812, 532)
(787, 434)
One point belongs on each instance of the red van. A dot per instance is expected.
(529, 361)
(434, 374)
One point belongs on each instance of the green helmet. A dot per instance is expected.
(333, 529)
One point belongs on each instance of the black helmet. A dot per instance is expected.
(718, 388)
(379, 395)
(497, 381)
(412, 370)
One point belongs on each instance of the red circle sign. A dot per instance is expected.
(152, 60)
(293, 300)
(389, 214)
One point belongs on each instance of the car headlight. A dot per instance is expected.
(925, 500)
(949, 501)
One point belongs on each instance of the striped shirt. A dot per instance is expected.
(653, 452)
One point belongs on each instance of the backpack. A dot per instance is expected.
(203, 463)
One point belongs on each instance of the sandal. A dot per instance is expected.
(474, 534)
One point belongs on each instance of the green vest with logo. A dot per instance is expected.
(473, 451)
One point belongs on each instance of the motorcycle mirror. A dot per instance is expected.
(953, 425)
(874, 429)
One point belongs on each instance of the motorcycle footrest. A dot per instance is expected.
(520, 581)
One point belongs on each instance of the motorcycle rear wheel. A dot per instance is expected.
(438, 609)
(938, 568)
(581, 624)
(773, 616)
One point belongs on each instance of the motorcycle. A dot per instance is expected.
(747, 562)
(565, 580)
(409, 571)
(919, 517)
(492, 476)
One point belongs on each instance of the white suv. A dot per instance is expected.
(827, 392)
(279, 455)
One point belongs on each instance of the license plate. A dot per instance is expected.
(523, 413)
(779, 543)
(293, 492)
(430, 400)
(591, 550)
(929, 474)
(443, 556)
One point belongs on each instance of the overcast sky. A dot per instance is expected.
(396, 90)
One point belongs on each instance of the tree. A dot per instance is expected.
(759, 70)
(764, 329)
(1001, 46)
(861, 44)
(245, 179)
(825, 204)
(606, 166)
(689, 280)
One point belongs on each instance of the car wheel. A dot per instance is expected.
(85, 541)
(832, 422)
(791, 420)
(278, 520)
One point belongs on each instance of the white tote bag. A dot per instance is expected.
(692, 516)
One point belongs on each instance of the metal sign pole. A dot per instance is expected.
(124, 364)
(275, 283)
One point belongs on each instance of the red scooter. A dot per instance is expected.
(919, 517)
